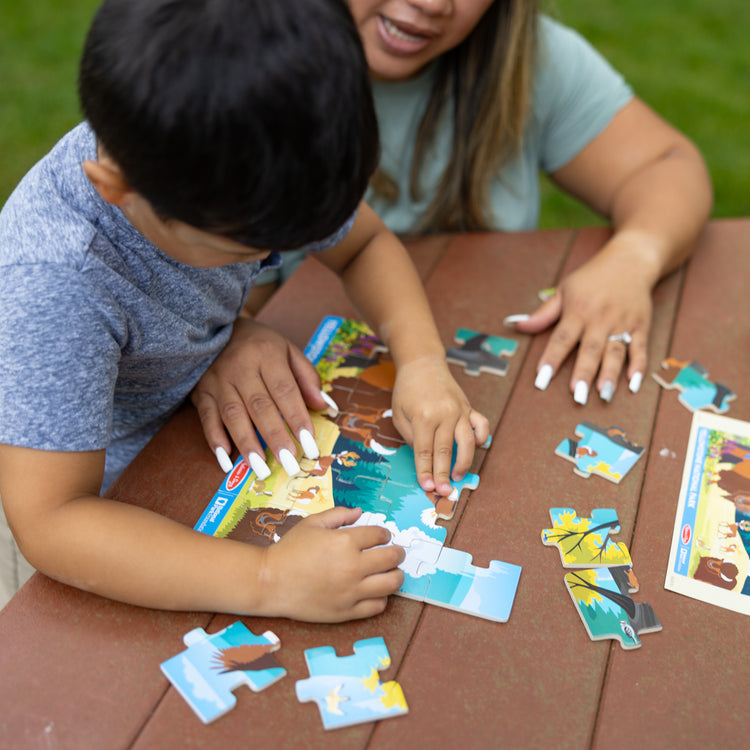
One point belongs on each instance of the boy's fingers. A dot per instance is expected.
(443, 456)
(335, 517)
(466, 441)
(423, 456)
(481, 427)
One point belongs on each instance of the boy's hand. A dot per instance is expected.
(322, 573)
(432, 412)
(262, 382)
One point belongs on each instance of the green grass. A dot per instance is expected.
(686, 59)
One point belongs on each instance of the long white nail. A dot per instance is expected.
(309, 446)
(289, 462)
(543, 377)
(607, 391)
(259, 466)
(511, 320)
(635, 382)
(333, 409)
(224, 461)
(581, 393)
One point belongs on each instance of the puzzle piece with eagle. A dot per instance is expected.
(212, 666)
(348, 689)
(600, 451)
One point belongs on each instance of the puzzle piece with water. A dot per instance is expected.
(696, 390)
(212, 666)
(603, 601)
(348, 689)
(586, 542)
(599, 451)
(479, 352)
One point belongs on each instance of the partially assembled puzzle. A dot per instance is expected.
(364, 463)
(212, 666)
(348, 689)
(600, 451)
(696, 390)
(602, 581)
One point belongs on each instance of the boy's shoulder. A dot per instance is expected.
(51, 216)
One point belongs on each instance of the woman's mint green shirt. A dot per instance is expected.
(576, 93)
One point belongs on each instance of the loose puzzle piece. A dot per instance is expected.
(348, 689)
(214, 665)
(599, 451)
(479, 352)
(584, 542)
(602, 598)
(696, 390)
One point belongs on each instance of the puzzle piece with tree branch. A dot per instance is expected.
(480, 352)
(586, 542)
(696, 390)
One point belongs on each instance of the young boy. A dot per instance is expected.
(218, 132)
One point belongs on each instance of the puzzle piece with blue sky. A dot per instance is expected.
(600, 451)
(479, 352)
(696, 390)
(348, 689)
(212, 666)
(586, 542)
(603, 601)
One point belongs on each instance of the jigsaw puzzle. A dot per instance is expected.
(479, 352)
(364, 463)
(212, 666)
(585, 542)
(602, 598)
(696, 390)
(347, 689)
(599, 451)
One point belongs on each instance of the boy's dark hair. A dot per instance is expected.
(252, 119)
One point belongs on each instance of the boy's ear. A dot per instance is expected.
(109, 181)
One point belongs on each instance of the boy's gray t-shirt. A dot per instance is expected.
(102, 335)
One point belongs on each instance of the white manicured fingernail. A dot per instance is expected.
(224, 461)
(581, 393)
(607, 391)
(333, 409)
(309, 446)
(511, 320)
(259, 466)
(543, 377)
(635, 382)
(289, 462)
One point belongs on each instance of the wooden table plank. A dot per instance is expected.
(687, 686)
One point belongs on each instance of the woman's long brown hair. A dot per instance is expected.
(487, 78)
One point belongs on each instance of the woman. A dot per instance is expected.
(474, 97)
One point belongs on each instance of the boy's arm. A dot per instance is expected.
(316, 572)
(430, 410)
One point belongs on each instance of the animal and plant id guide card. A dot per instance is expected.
(709, 556)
